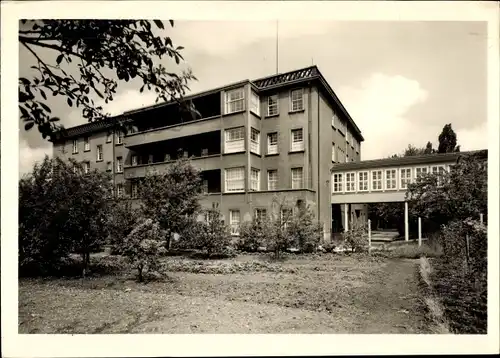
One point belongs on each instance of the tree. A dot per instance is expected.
(280, 217)
(144, 246)
(172, 198)
(428, 149)
(458, 195)
(253, 234)
(122, 219)
(61, 210)
(101, 51)
(215, 235)
(304, 230)
(447, 140)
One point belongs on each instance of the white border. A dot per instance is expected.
(14, 345)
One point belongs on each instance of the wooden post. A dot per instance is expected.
(419, 231)
(407, 230)
(481, 218)
(369, 236)
(467, 248)
(346, 217)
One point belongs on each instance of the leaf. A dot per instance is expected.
(171, 22)
(54, 119)
(29, 125)
(179, 48)
(159, 24)
(43, 94)
(44, 106)
(24, 112)
(98, 93)
(59, 58)
(70, 102)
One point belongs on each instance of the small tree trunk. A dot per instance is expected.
(84, 264)
(139, 269)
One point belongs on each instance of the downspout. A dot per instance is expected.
(319, 161)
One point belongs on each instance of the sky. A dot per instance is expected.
(400, 81)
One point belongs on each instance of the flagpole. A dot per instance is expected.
(277, 52)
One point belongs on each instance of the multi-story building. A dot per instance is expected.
(251, 139)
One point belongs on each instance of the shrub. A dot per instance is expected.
(144, 246)
(253, 234)
(356, 239)
(122, 219)
(305, 232)
(211, 235)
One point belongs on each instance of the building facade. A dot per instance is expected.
(251, 140)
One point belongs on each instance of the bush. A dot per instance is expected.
(122, 219)
(211, 236)
(356, 239)
(144, 246)
(460, 277)
(305, 232)
(253, 234)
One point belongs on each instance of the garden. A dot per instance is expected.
(171, 267)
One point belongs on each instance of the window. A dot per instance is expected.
(341, 126)
(235, 140)
(99, 152)
(260, 215)
(75, 146)
(86, 144)
(167, 157)
(297, 178)
(86, 167)
(234, 221)
(119, 190)
(296, 100)
(204, 152)
(390, 179)
(119, 164)
(254, 141)
(297, 140)
(363, 181)
(255, 103)
(272, 143)
(134, 189)
(405, 176)
(150, 158)
(337, 183)
(377, 180)
(350, 182)
(348, 137)
(235, 101)
(272, 105)
(108, 138)
(254, 179)
(335, 121)
(134, 160)
(272, 179)
(235, 179)
(420, 171)
(334, 153)
(438, 170)
(205, 186)
(347, 158)
(286, 216)
(109, 166)
(119, 137)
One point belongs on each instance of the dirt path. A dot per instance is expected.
(329, 296)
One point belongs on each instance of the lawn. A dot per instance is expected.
(325, 293)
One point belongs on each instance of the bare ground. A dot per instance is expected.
(328, 294)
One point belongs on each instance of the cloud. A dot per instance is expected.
(473, 139)
(29, 156)
(378, 106)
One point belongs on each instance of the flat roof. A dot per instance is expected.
(401, 161)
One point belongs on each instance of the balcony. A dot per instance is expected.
(205, 163)
(156, 135)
